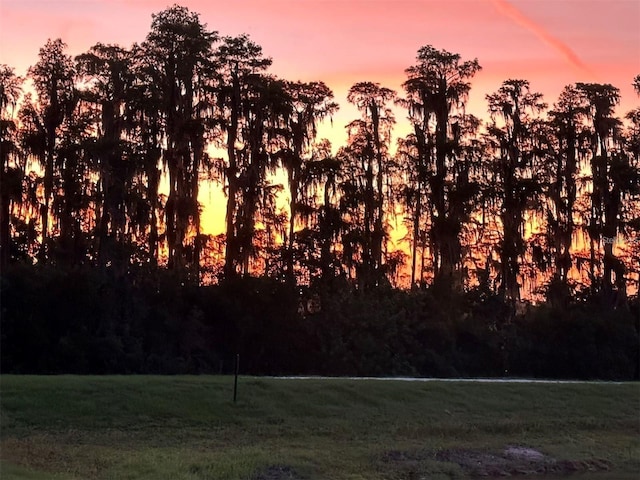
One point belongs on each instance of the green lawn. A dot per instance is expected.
(151, 427)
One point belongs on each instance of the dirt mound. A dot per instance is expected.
(513, 460)
(516, 460)
(501, 464)
(524, 453)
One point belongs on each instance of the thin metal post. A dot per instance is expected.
(235, 380)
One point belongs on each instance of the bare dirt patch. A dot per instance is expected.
(488, 464)
(516, 460)
(513, 460)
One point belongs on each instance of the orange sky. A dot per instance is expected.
(551, 43)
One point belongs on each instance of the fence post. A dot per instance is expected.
(235, 379)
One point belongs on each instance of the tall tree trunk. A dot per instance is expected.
(231, 253)
(379, 209)
(153, 174)
(5, 216)
(294, 173)
(416, 234)
(44, 208)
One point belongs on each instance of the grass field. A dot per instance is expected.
(148, 427)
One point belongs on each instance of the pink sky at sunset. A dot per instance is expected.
(550, 43)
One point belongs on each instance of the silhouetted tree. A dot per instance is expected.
(53, 80)
(514, 172)
(265, 131)
(10, 174)
(437, 87)
(179, 50)
(319, 240)
(412, 191)
(74, 199)
(240, 65)
(310, 103)
(611, 177)
(106, 72)
(144, 133)
(566, 137)
(367, 163)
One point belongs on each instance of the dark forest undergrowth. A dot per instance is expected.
(89, 321)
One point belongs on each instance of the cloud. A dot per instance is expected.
(511, 12)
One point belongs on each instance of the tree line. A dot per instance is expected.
(104, 156)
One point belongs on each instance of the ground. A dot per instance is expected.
(145, 427)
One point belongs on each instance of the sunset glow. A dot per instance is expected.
(551, 44)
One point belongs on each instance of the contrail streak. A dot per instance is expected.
(517, 16)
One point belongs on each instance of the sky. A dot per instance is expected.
(551, 43)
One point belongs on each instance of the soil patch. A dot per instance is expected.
(516, 460)
(513, 460)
